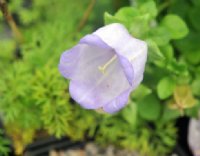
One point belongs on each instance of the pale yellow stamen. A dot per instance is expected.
(103, 67)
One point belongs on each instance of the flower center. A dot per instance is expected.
(102, 68)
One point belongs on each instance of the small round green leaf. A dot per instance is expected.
(175, 25)
(149, 7)
(149, 108)
(165, 87)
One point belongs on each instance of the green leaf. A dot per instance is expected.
(190, 47)
(160, 35)
(180, 7)
(130, 113)
(165, 87)
(170, 114)
(136, 22)
(149, 108)
(175, 25)
(4, 144)
(141, 92)
(127, 14)
(139, 26)
(154, 51)
(179, 68)
(108, 19)
(193, 112)
(196, 86)
(149, 7)
(167, 51)
(194, 17)
(196, 2)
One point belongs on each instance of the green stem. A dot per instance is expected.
(86, 15)
(163, 6)
(7, 15)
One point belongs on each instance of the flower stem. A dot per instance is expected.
(86, 15)
(7, 15)
(163, 6)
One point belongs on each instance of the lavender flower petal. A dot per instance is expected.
(117, 37)
(95, 91)
(117, 103)
(104, 68)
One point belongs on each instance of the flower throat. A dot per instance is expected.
(102, 68)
